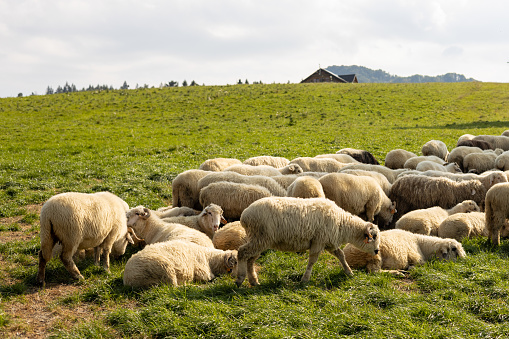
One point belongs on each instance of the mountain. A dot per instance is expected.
(365, 74)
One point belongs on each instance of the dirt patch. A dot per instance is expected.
(25, 230)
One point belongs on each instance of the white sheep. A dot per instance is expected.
(218, 164)
(177, 262)
(309, 164)
(435, 147)
(298, 225)
(497, 211)
(260, 180)
(401, 250)
(390, 174)
(379, 177)
(286, 180)
(232, 197)
(396, 158)
(502, 161)
(358, 195)
(506, 133)
(479, 162)
(463, 225)
(265, 170)
(208, 221)
(413, 162)
(426, 221)
(465, 137)
(230, 237)
(343, 158)
(80, 221)
(458, 153)
(277, 162)
(306, 187)
(433, 166)
(153, 229)
(185, 189)
(170, 211)
(488, 178)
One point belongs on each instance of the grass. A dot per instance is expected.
(134, 142)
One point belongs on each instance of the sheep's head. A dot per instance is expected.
(230, 261)
(497, 177)
(386, 213)
(370, 242)
(211, 217)
(470, 206)
(135, 214)
(121, 243)
(291, 169)
(451, 250)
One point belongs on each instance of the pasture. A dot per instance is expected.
(135, 142)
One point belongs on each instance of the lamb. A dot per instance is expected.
(433, 166)
(435, 147)
(306, 187)
(185, 189)
(232, 197)
(413, 162)
(479, 162)
(463, 225)
(396, 158)
(390, 174)
(502, 161)
(81, 221)
(153, 229)
(170, 211)
(401, 250)
(309, 164)
(265, 170)
(230, 237)
(359, 155)
(343, 158)
(426, 221)
(297, 225)
(218, 164)
(498, 141)
(277, 162)
(260, 180)
(359, 195)
(457, 154)
(207, 221)
(379, 177)
(414, 192)
(497, 211)
(484, 145)
(177, 262)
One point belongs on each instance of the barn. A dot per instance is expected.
(323, 75)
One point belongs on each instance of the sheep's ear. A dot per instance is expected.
(230, 260)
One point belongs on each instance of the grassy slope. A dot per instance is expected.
(134, 143)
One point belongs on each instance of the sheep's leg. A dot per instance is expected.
(42, 269)
(338, 253)
(313, 257)
(247, 252)
(251, 273)
(106, 259)
(97, 255)
(66, 257)
(494, 229)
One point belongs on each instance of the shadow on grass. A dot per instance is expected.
(461, 126)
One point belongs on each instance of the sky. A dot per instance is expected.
(217, 42)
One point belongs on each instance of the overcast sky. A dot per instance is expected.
(215, 42)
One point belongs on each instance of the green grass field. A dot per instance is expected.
(134, 142)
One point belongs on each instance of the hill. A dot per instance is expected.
(365, 74)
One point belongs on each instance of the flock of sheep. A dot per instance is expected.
(379, 217)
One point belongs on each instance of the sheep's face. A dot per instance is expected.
(120, 244)
(451, 250)
(370, 242)
(135, 214)
(230, 261)
(496, 178)
(387, 214)
(471, 206)
(212, 216)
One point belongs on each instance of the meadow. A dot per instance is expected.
(135, 142)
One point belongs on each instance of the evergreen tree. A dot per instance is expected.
(125, 85)
(184, 83)
(49, 90)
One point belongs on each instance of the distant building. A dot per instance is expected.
(323, 75)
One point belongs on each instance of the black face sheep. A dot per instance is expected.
(306, 187)
(277, 162)
(435, 147)
(400, 250)
(359, 155)
(153, 229)
(497, 211)
(298, 225)
(208, 221)
(185, 189)
(177, 262)
(260, 180)
(396, 158)
(218, 164)
(81, 221)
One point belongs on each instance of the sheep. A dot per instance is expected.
(309, 164)
(484, 145)
(177, 262)
(498, 141)
(435, 147)
(264, 170)
(149, 226)
(260, 180)
(502, 161)
(413, 162)
(232, 197)
(277, 162)
(506, 133)
(426, 221)
(170, 211)
(396, 158)
(81, 221)
(488, 179)
(185, 189)
(306, 187)
(218, 164)
(390, 174)
(479, 162)
(402, 250)
(463, 225)
(465, 137)
(297, 225)
(457, 154)
(379, 177)
(286, 180)
(343, 158)
(359, 155)
(413, 192)
(230, 237)
(497, 210)
(207, 221)
(433, 166)
(358, 195)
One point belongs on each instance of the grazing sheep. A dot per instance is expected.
(153, 229)
(396, 158)
(484, 145)
(207, 221)
(343, 158)
(401, 250)
(379, 177)
(497, 211)
(185, 189)
(435, 147)
(465, 137)
(309, 164)
(306, 187)
(170, 211)
(413, 162)
(277, 162)
(414, 192)
(498, 141)
(298, 225)
(260, 180)
(479, 162)
(286, 180)
(360, 155)
(433, 166)
(457, 154)
(177, 262)
(463, 225)
(426, 221)
(268, 171)
(230, 237)
(506, 133)
(358, 195)
(80, 221)
(390, 174)
(502, 161)
(232, 197)
(218, 164)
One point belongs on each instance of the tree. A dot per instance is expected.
(125, 85)
(239, 82)
(184, 83)
(20, 95)
(193, 83)
(49, 90)
(246, 82)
